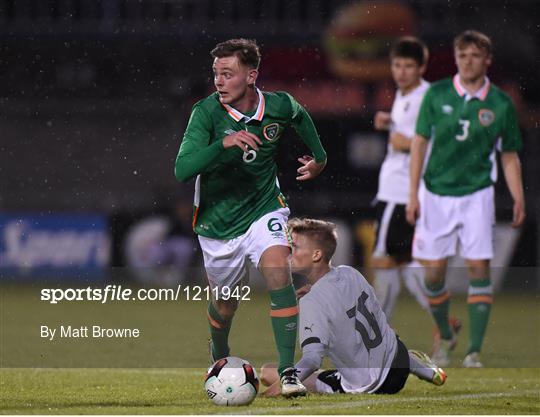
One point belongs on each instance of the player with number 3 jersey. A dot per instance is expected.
(465, 119)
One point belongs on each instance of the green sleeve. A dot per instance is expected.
(426, 119)
(510, 135)
(195, 153)
(302, 123)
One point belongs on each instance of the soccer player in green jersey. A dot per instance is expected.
(241, 215)
(466, 119)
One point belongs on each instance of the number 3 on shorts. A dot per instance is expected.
(465, 126)
(274, 225)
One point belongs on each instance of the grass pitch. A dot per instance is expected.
(510, 384)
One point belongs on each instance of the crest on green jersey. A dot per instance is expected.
(486, 117)
(271, 132)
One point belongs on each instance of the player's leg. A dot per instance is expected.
(220, 317)
(413, 279)
(387, 283)
(439, 304)
(434, 241)
(269, 249)
(425, 369)
(480, 298)
(275, 268)
(399, 247)
(225, 267)
(399, 371)
(385, 269)
(476, 239)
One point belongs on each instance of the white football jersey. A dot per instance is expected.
(394, 175)
(341, 312)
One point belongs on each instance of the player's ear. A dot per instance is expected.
(252, 76)
(317, 255)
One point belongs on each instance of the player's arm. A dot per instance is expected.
(419, 145)
(382, 120)
(400, 142)
(512, 174)
(510, 145)
(313, 333)
(196, 153)
(312, 165)
(418, 153)
(312, 357)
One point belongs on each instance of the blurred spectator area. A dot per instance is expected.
(95, 95)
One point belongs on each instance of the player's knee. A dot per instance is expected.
(268, 374)
(478, 269)
(226, 309)
(434, 271)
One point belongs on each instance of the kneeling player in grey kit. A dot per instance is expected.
(341, 318)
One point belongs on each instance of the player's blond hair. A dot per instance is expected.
(474, 37)
(322, 233)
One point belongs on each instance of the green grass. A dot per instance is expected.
(179, 391)
(162, 372)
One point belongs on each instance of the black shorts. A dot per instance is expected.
(394, 382)
(331, 378)
(397, 376)
(394, 235)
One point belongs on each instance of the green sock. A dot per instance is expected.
(439, 304)
(219, 332)
(284, 316)
(479, 303)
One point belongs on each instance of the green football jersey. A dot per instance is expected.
(235, 188)
(465, 132)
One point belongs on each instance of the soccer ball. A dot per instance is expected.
(231, 381)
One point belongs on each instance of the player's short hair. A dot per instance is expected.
(410, 47)
(322, 233)
(469, 37)
(246, 50)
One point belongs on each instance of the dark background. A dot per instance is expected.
(95, 95)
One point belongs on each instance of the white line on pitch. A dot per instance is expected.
(385, 401)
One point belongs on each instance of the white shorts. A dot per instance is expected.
(225, 261)
(446, 220)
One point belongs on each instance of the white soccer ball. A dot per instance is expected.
(231, 381)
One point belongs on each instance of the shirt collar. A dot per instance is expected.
(480, 94)
(259, 113)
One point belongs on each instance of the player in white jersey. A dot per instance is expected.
(392, 254)
(341, 318)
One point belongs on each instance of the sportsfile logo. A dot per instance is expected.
(120, 293)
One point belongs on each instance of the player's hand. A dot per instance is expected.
(413, 210)
(400, 142)
(273, 390)
(382, 120)
(519, 214)
(243, 139)
(309, 169)
(300, 292)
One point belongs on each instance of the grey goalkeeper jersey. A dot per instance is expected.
(341, 314)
